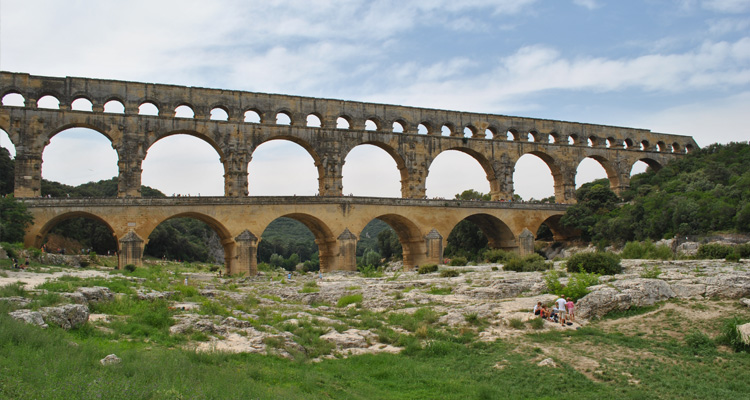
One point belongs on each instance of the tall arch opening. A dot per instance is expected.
(281, 167)
(533, 179)
(472, 236)
(590, 170)
(188, 238)
(297, 240)
(452, 172)
(371, 171)
(287, 243)
(638, 168)
(390, 237)
(7, 164)
(183, 165)
(76, 156)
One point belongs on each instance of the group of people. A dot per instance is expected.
(562, 311)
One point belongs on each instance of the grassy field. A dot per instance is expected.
(670, 351)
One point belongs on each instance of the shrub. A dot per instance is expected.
(731, 336)
(449, 273)
(536, 323)
(651, 272)
(370, 271)
(130, 267)
(349, 299)
(604, 263)
(714, 251)
(499, 255)
(213, 268)
(577, 287)
(733, 257)
(427, 268)
(440, 290)
(699, 342)
(646, 250)
(532, 262)
(458, 261)
(515, 323)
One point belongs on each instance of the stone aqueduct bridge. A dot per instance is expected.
(334, 220)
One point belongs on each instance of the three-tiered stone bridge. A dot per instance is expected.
(328, 130)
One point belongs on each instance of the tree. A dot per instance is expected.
(7, 172)
(14, 219)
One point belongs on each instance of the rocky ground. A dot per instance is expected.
(484, 299)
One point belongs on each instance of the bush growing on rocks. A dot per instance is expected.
(731, 335)
(458, 261)
(646, 250)
(130, 268)
(714, 251)
(532, 262)
(427, 268)
(449, 273)
(499, 255)
(603, 263)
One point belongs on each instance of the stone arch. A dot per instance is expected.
(555, 170)
(50, 97)
(218, 109)
(35, 239)
(425, 128)
(324, 238)
(343, 122)
(113, 102)
(146, 103)
(559, 232)
(12, 98)
(85, 101)
(499, 235)
(184, 108)
(484, 164)
(613, 175)
(306, 146)
(399, 126)
(409, 235)
(314, 120)
(653, 164)
(200, 135)
(227, 241)
(283, 114)
(11, 141)
(373, 124)
(251, 114)
(397, 158)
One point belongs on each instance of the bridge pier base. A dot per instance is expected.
(347, 258)
(525, 243)
(434, 247)
(246, 260)
(131, 251)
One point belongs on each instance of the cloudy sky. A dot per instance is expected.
(673, 66)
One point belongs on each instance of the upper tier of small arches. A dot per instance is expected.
(106, 96)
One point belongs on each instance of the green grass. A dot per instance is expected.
(349, 299)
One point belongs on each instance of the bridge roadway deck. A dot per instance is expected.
(422, 225)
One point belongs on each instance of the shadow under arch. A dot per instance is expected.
(499, 235)
(396, 157)
(653, 164)
(411, 238)
(50, 224)
(324, 238)
(559, 232)
(225, 237)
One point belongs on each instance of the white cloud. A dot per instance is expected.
(590, 4)
(727, 6)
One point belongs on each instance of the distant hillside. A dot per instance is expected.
(706, 191)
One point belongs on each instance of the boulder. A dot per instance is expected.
(68, 316)
(235, 323)
(745, 302)
(110, 360)
(96, 294)
(29, 317)
(17, 301)
(688, 248)
(351, 338)
(153, 295)
(547, 362)
(76, 297)
(744, 331)
(727, 286)
(621, 295)
(688, 290)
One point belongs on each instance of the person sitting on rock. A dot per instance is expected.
(538, 308)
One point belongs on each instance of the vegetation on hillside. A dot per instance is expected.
(706, 191)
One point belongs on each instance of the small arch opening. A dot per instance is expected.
(510, 136)
(342, 123)
(422, 129)
(313, 121)
(530, 137)
(553, 137)
(645, 145)
(446, 131)
(629, 143)
(252, 116)
(14, 100)
(114, 107)
(49, 102)
(148, 108)
(398, 127)
(82, 104)
(572, 140)
(469, 132)
(219, 114)
(676, 148)
(184, 111)
(283, 118)
(489, 133)
(370, 125)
